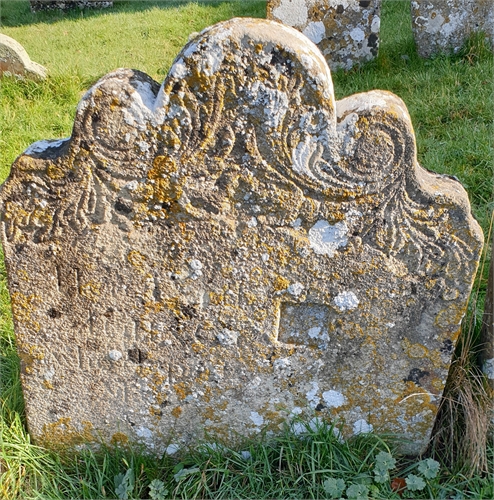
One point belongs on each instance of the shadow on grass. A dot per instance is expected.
(14, 13)
(11, 398)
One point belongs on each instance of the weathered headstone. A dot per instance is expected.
(346, 31)
(441, 26)
(231, 249)
(37, 5)
(14, 60)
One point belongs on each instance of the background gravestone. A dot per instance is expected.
(441, 26)
(14, 60)
(232, 249)
(346, 32)
(37, 5)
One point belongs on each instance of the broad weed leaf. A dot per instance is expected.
(184, 473)
(429, 468)
(381, 475)
(415, 483)
(157, 490)
(124, 484)
(357, 492)
(385, 461)
(334, 487)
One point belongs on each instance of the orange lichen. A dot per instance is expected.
(119, 438)
(177, 411)
(91, 290)
(23, 308)
(280, 283)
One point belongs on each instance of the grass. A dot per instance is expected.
(450, 100)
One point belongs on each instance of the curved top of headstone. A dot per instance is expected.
(14, 60)
(231, 248)
(266, 86)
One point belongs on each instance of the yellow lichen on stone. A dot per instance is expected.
(136, 258)
(63, 433)
(54, 172)
(280, 283)
(119, 438)
(91, 290)
(23, 308)
(177, 411)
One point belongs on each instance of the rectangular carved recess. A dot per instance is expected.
(304, 324)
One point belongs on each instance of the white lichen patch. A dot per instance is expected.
(256, 418)
(315, 31)
(144, 433)
(362, 427)
(195, 265)
(179, 69)
(357, 34)
(227, 338)
(325, 238)
(115, 355)
(292, 12)
(273, 102)
(281, 364)
(295, 289)
(346, 301)
(311, 395)
(314, 332)
(333, 399)
(172, 448)
(49, 373)
(252, 222)
(42, 146)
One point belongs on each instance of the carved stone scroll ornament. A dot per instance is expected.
(231, 249)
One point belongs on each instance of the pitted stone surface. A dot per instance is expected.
(346, 31)
(37, 5)
(14, 60)
(442, 26)
(231, 249)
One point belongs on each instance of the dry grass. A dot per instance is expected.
(462, 426)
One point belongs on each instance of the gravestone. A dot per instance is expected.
(14, 60)
(37, 5)
(442, 26)
(231, 249)
(346, 32)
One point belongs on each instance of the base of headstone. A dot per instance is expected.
(38, 5)
(443, 26)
